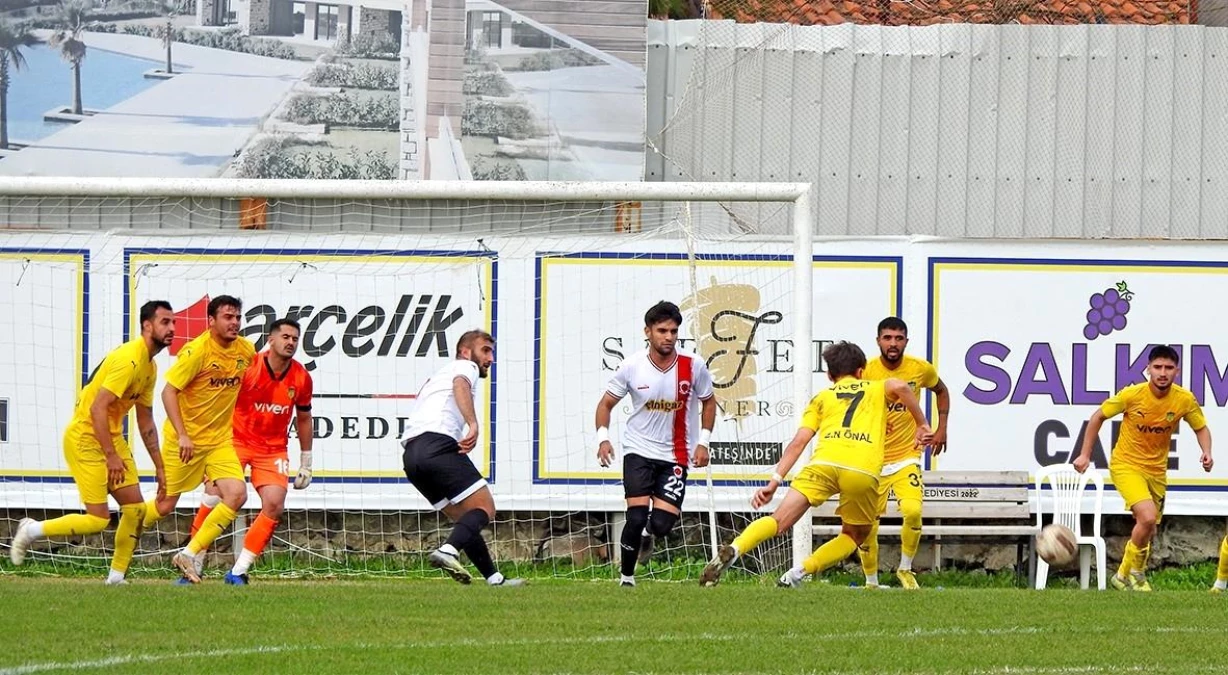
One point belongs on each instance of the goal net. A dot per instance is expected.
(383, 278)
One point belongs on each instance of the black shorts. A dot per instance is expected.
(434, 465)
(643, 477)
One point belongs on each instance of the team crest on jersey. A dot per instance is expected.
(290, 391)
(684, 387)
(240, 364)
(678, 471)
(1169, 417)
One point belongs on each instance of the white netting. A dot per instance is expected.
(382, 290)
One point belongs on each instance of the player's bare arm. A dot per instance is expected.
(1204, 443)
(900, 392)
(707, 420)
(463, 393)
(788, 458)
(939, 443)
(102, 431)
(170, 402)
(1089, 440)
(149, 436)
(605, 449)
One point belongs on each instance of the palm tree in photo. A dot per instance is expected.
(169, 9)
(73, 17)
(13, 39)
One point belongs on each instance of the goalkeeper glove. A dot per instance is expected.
(303, 479)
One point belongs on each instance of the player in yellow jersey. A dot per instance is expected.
(95, 449)
(1139, 464)
(199, 397)
(850, 419)
(901, 456)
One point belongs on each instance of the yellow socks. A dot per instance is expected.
(75, 524)
(829, 554)
(868, 552)
(1127, 560)
(756, 533)
(151, 515)
(910, 536)
(127, 535)
(217, 522)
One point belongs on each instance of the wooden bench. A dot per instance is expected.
(964, 496)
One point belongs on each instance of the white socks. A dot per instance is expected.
(450, 550)
(905, 562)
(1221, 584)
(495, 579)
(796, 573)
(114, 577)
(243, 563)
(36, 529)
(627, 580)
(872, 579)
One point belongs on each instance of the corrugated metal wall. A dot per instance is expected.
(954, 130)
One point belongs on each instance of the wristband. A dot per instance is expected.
(778, 478)
(603, 435)
(705, 437)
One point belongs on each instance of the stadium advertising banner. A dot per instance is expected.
(739, 320)
(369, 337)
(1031, 347)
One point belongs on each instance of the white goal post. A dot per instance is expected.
(36, 210)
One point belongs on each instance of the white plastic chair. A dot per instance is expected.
(1066, 497)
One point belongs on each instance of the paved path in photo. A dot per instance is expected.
(185, 127)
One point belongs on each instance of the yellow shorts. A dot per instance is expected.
(858, 491)
(1136, 486)
(903, 484)
(88, 466)
(218, 463)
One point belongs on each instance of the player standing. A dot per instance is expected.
(273, 387)
(901, 455)
(666, 433)
(94, 445)
(199, 398)
(850, 418)
(1138, 466)
(443, 428)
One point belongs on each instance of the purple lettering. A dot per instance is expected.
(1040, 361)
(1205, 371)
(975, 363)
(1078, 380)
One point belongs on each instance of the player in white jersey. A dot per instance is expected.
(668, 432)
(440, 431)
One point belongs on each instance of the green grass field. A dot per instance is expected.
(372, 626)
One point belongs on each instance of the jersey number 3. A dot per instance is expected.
(854, 401)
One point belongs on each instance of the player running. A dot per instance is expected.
(274, 386)
(850, 418)
(199, 397)
(1138, 466)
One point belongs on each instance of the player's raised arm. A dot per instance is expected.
(462, 391)
(900, 392)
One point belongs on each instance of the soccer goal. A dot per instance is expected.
(383, 277)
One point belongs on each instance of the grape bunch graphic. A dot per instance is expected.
(1108, 311)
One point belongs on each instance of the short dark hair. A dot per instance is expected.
(150, 309)
(470, 336)
(892, 323)
(662, 311)
(1163, 352)
(285, 322)
(224, 301)
(843, 358)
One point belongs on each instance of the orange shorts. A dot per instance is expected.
(267, 468)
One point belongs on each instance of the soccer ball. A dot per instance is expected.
(1056, 545)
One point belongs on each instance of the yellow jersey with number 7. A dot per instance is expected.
(850, 420)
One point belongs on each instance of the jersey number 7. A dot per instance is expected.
(855, 400)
